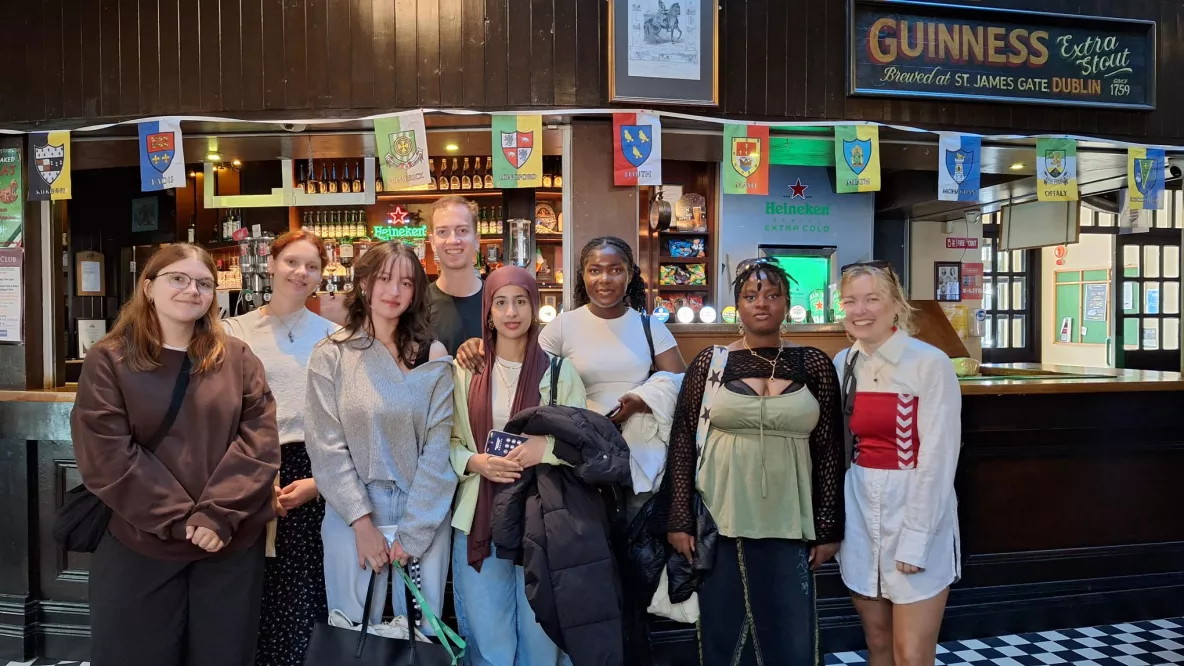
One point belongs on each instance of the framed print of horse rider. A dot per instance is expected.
(663, 51)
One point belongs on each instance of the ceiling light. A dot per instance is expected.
(237, 163)
(1017, 166)
(213, 157)
(452, 147)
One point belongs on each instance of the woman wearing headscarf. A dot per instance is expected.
(489, 593)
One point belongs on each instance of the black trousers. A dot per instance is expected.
(150, 612)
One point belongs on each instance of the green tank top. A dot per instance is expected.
(755, 476)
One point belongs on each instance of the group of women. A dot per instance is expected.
(365, 444)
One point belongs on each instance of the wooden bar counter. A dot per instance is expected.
(1069, 486)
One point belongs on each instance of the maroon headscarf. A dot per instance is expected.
(534, 366)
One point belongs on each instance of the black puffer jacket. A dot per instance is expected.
(555, 522)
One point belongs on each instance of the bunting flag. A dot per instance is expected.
(748, 149)
(1056, 169)
(857, 158)
(959, 162)
(1144, 177)
(162, 157)
(517, 151)
(637, 149)
(49, 170)
(401, 143)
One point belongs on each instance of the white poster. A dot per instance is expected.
(90, 331)
(11, 295)
(92, 276)
(664, 39)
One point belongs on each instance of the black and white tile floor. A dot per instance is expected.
(1151, 643)
(1154, 643)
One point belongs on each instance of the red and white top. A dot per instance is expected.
(899, 492)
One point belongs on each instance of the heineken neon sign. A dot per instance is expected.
(390, 232)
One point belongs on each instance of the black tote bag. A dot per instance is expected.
(338, 646)
(82, 521)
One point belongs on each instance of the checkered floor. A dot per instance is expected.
(1136, 644)
(1154, 643)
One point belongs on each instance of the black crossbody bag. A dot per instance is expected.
(83, 518)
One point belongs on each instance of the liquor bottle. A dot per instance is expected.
(442, 182)
(557, 176)
(488, 172)
(300, 178)
(310, 185)
(378, 181)
(192, 229)
(323, 184)
(501, 223)
(454, 175)
(333, 180)
(346, 185)
(466, 177)
(548, 181)
(478, 182)
(306, 222)
(356, 184)
(432, 173)
(482, 222)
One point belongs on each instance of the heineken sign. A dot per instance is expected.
(400, 232)
(912, 49)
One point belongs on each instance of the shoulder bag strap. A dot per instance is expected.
(849, 389)
(179, 389)
(649, 340)
(556, 365)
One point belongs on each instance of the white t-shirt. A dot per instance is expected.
(504, 385)
(284, 360)
(611, 355)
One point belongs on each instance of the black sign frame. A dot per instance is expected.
(1132, 27)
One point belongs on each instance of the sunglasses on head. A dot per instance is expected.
(758, 262)
(876, 263)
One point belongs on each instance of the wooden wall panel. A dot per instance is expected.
(82, 60)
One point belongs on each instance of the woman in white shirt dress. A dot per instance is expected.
(900, 549)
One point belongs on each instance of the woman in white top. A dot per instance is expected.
(903, 403)
(282, 334)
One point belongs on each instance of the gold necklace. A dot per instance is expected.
(773, 363)
(502, 369)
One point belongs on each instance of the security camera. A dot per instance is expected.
(293, 127)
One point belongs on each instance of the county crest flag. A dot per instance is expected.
(857, 158)
(1056, 169)
(746, 170)
(401, 144)
(1144, 178)
(959, 162)
(637, 149)
(162, 157)
(49, 166)
(517, 151)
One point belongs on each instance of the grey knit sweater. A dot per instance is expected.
(367, 420)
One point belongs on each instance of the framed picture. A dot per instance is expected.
(90, 331)
(90, 276)
(947, 281)
(663, 52)
(145, 214)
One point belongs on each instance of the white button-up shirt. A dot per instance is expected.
(910, 514)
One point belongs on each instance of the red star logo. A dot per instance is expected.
(399, 215)
(799, 190)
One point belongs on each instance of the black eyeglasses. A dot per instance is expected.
(761, 261)
(875, 263)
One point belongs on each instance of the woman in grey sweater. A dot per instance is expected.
(378, 422)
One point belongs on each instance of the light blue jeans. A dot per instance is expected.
(493, 613)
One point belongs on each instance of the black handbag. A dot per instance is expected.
(336, 646)
(83, 518)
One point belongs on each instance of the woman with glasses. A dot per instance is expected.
(282, 334)
(758, 436)
(178, 578)
(903, 406)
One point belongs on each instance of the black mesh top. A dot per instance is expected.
(807, 365)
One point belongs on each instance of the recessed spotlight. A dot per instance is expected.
(213, 157)
(1017, 166)
(452, 147)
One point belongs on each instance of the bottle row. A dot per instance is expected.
(335, 224)
(328, 183)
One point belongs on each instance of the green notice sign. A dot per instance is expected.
(12, 197)
(794, 151)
